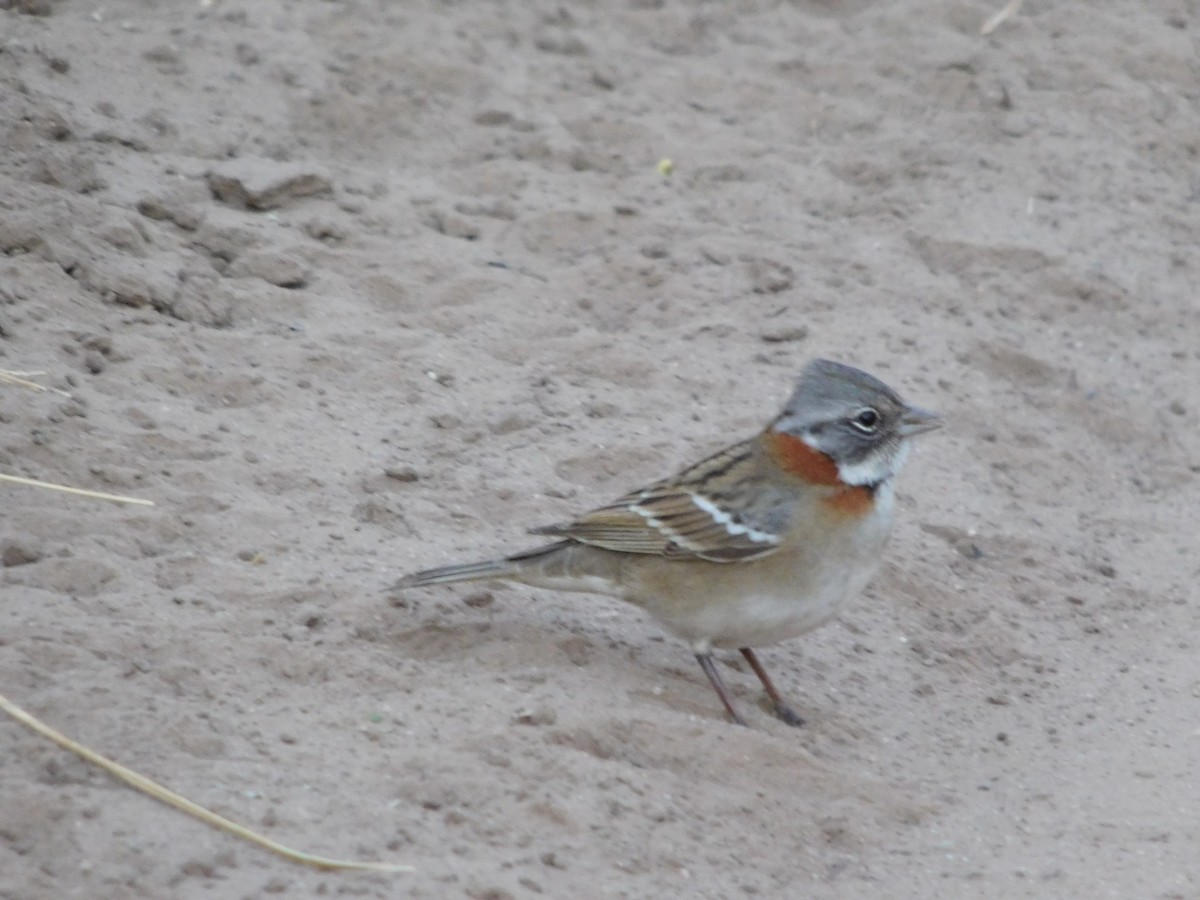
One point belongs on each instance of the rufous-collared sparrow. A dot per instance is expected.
(756, 544)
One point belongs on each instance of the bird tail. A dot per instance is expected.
(476, 571)
(492, 568)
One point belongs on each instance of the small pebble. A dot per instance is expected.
(479, 599)
(785, 335)
(13, 553)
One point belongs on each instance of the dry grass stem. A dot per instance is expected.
(140, 782)
(22, 379)
(95, 495)
(169, 797)
(1009, 10)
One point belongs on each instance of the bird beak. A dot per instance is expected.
(918, 421)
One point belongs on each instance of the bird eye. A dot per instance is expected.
(866, 420)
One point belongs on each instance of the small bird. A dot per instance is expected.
(759, 543)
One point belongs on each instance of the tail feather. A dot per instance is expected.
(478, 571)
(491, 568)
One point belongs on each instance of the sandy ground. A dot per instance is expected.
(350, 288)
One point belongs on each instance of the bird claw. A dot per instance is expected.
(788, 715)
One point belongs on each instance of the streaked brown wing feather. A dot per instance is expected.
(672, 518)
(613, 527)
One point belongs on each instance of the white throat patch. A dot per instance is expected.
(875, 468)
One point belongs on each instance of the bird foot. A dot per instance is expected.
(788, 715)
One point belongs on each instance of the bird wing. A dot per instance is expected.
(695, 515)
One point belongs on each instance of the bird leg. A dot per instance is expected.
(782, 710)
(714, 678)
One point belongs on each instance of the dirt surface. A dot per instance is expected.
(351, 288)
